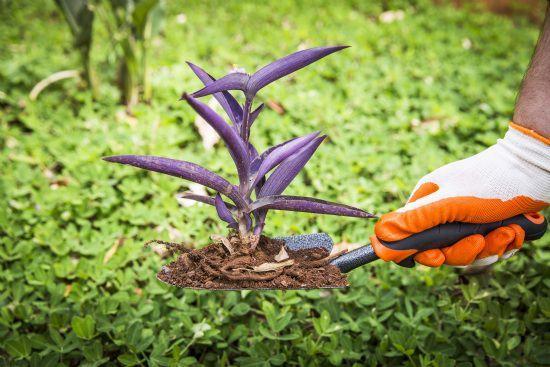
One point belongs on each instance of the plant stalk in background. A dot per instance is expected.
(131, 25)
(80, 18)
(134, 23)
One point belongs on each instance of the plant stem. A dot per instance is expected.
(245, 133)
(243, 230)
(260, 222)
(146, 84)
(145, 45)
(258, 228)
(89, 72)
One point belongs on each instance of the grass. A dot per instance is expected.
(76, 285)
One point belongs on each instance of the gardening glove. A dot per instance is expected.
(509, 178)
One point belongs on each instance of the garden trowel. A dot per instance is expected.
(442, 235)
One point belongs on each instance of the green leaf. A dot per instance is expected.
(240, 309)
(93, 352)
(56, 336)
(80, 19)
(128, 359)
(142, 13)
(322, 324)
(18, 347)
(199, 329)
(84, 327)
(545, 306)
(513, 342)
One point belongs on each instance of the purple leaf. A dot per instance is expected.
(255, 164)
(279, 154)
(232, 81)
(233, 141)
(308, 205)
(250, 85)
(289, 169)
(248, 221)
(259, 160)
(186, 170)
(204, 199)
(223, 211)
(226, 100)
(287, 65)
(259, 186)
(253, 152)
(254, 114)
(254, 158)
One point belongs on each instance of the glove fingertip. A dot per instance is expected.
(497, 241)
(464, 251)
(433, 258)
(518, 239)
(425, 189)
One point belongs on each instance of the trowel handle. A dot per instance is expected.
(443, 235)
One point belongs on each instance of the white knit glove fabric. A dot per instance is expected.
(517, 165)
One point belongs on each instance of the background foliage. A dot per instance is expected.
(76, 285)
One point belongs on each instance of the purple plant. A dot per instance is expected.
(285, 160)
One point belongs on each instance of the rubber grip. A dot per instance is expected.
(442, 235)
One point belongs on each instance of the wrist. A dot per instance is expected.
(530, 133)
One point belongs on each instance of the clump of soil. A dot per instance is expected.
(232, 264)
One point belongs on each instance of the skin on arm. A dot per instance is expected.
(533, 103)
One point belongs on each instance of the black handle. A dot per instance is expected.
(442, 235)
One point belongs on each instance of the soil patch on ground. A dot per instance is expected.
(231, 264)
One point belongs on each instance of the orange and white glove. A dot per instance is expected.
(509, 178)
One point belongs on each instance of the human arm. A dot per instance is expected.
(509, 178)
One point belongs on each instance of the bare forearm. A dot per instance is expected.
(533, 104)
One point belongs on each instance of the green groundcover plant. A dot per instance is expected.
(436, 84)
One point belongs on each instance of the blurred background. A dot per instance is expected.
(424, 83)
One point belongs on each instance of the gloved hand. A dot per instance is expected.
(509, 178)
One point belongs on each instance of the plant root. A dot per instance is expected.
(238, 261)
(223, 240)
(251, 241)
(211, 270)
(251, 276)
(292, 272)
(237, 266)
(184, 259)
(322, 262)
(272, 266)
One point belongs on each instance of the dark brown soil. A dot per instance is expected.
(213, 267)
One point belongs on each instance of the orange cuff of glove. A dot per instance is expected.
(530, 133)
